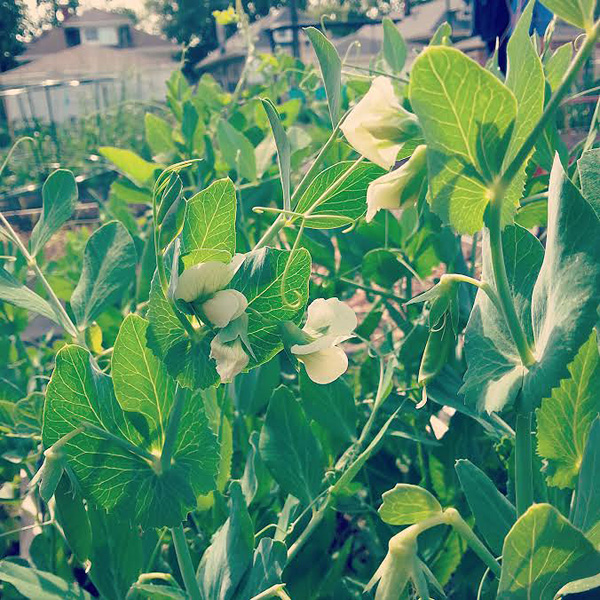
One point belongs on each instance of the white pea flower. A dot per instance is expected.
(231, 358)
(329, 323)
(399, 187)
(379, 125)
(205, 279)
(224, 307)
(203, 286)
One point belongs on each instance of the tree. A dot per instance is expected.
(12, 17)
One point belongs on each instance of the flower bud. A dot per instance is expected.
(224, 307)
(397, 188)
(378, 125)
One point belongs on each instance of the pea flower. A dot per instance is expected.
(203, 286)
(378, 126)
(329, 323)
(231, 349)
(399, 187)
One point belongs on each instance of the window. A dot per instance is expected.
(72, 36)
(91, 34)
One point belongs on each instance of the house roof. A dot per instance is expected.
(53, 40)
(84, 62)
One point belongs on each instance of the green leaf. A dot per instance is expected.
(406, 504)
(589, 174)
(117, 554)
(237, 150)
(557, 64)
(270, 558)
(186, 360)
(255, 388)
(140, 379)
(382, 267)
(111, 458)
(331, 70)
(14, 292)
(586, 514)
(556, 302)
(289, 448)
(577, 12)
(260, 279)
(283, 150)
(485, 499)
(543, 552)
(59, 196)
(332, 406)
(151, 591)
(467, 116)
(579, 586)
(209, 224)
(564, 419)
(159, 135)
(225, 561)
(394, 46)
(131, 165)
(189, 123)
(73, 519)
(345, 203)
(108, 270)
(525, 78)
(40, 585)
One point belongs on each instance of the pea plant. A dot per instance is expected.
(378, 377)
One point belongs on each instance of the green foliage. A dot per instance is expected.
(407, 504)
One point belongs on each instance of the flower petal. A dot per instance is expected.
(326, 365)
(203, 280)
(330, 317)
(224, 307)
(231, 358)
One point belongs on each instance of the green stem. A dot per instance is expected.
(172, 428)
(184, 560)
(482, 285)
(459, 524)
(314, 522)
(523, 463)
(371, 290)
(502, 286)
(582, 55)
(110, 437)
(59, 310)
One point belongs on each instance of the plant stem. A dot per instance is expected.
(126, 445)
(314, 522)
(521, 156)
(502, 286)
(184, 560)
(59, 309)
(172, 428)
(459, 524)
(482, 285)
(371, 290)
(523, 463)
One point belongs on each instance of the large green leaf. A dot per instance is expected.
(186, 360)
(557, 313)
(589, 174)
(73, 519)
(112, 474)
(237, 150)
(283, 149)
(270, 558)
(406, 504)
(564, 419)
(345, 203)
(59, 195)
(132, 165)
(228, 557)
(543, 552)
(484, 498)
(331, 405)
(586, 514)
(577, 12)
(108, 270)
(467, 116)
(331, 70)
(209, 224)
(140, 379)
(290, 449)
(271, 298)
(159, 135)
(14, 292)
(394, 46)
(40, 585)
